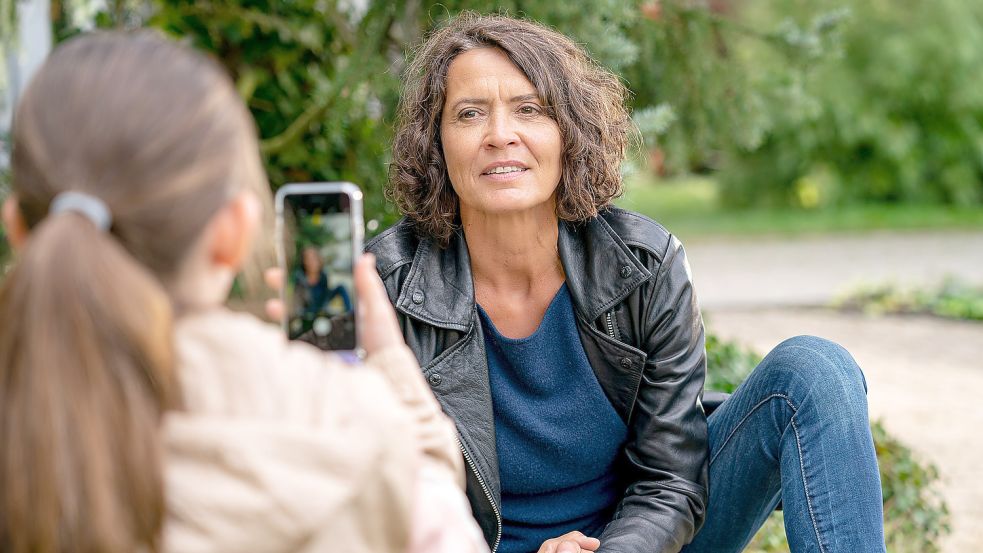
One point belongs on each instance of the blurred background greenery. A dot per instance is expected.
(772, 116)
(793, 115)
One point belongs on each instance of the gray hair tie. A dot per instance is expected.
(91, 207)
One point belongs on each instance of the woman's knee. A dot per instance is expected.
(819, 366)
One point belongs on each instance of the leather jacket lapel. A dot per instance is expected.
(600, 269)
(439, 289)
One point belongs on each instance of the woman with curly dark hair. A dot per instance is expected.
(563, 334)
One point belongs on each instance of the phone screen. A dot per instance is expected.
(318, 247)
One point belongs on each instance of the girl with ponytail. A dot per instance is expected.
(136, 412)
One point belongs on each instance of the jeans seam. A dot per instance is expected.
(798, 446)
(747, 416)
(805, 486)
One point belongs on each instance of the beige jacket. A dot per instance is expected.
(283, 448)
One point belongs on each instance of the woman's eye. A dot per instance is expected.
(529, 110)
(468, 114)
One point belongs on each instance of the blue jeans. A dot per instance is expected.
(797, 431)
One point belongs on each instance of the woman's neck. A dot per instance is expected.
(513, 253)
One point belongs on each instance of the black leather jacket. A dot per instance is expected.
(642, 331)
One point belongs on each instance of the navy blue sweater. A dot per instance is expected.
(556, 432)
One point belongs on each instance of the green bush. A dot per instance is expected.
(728, 364)
(317, 80)
(894, 114)
(952, 299)
(915, 516)
(810, 104)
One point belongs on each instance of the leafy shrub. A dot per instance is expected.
(894, 114)
(728, 364)
(915, 516)
(316, 78)
(952, 299)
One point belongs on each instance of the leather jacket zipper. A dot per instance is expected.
(484, 488)
(609, 320)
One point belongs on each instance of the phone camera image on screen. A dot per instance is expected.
(319, 252)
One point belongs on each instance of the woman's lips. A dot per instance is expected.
(507, 175)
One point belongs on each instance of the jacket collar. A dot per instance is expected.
(600, 270)
(439, 289)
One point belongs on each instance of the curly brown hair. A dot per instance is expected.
(587, 101)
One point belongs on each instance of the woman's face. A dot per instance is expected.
(503, 153)
(311, 259)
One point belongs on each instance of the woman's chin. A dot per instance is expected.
(507, 204)
(505, 201)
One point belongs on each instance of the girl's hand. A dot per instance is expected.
(377, 325)
(274, 307)
(376, 320)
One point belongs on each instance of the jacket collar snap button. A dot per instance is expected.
(417, 297)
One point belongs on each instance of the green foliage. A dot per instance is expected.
(771, 537)
(602, 26)
(952, 299)
(793, 103)
(915, 516)
(893, 115)
(315, 77)
(8, 20)
(728, 364)
(696, 60)
(322, 78)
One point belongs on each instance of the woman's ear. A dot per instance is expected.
(13, 222)
(232, 230)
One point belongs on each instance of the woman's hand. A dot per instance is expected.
(572, 542)
(376, 320)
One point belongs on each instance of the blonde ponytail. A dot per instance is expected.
(87, 371)
(158, 135)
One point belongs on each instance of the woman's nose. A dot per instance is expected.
(501, 132)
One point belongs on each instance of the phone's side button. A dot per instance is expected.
(418, 297)
(435, 379)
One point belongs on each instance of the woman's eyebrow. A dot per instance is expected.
(472, 101)
(485, 102)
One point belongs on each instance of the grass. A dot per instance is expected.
(690, 208)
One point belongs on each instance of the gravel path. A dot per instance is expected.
(920, 370)
(811, 271)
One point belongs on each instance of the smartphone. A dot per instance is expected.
(319, 234)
